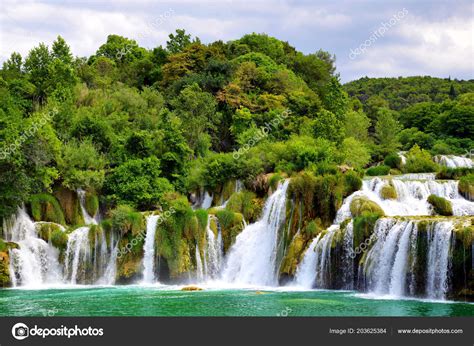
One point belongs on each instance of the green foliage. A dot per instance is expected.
(466, 186)
(361, 205)
(245, 203)
(378, 170)
(441, 205)
(125, 219)
(45, 207)
(364, 225)
(453, 173)
(81, 166)
(54, 234)
(356, 154)
(388, 192)
(138, 183)
(92, 203)
(392, 160)
(419, 161)
(386, 131)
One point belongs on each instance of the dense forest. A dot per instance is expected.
(128, 132)
(136, 124)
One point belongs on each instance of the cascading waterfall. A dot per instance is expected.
(253, 257)
(77, 256)
(90, 263)
(314, 270)
(439, 238)
(35, 262)
(88, 219)
(389, 265)
(149, 249)
(199, 265)
(452, 161)
(412, 197)
(214, 252)
(348, 256)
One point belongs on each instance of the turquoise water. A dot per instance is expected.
(171, 301)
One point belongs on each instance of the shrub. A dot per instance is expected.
(245, 203)
(393, 161)
(466, 187)
(138, 183)
(419, 161)
(92, 203)
(454, 173)
(360, 205)
(125, 219)
(441, 205)
(388, 192)
(378, 170)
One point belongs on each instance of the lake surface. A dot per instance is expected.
(171, 301)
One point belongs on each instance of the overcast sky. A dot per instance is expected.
(425, 38)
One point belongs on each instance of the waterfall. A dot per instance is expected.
(314, 270)
(199, 265)
(439, 238)
(305, 275)
(452, 161)
(88, 220)
(36, 261)
(253, 258)
(390, 263)
(214, 252)
(90, 263)
(149, 249)
(412, 197)
(348, 256)
(77, 256)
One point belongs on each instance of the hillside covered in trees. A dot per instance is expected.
(136, 126)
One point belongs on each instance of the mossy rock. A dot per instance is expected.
(388, 192)
(466, 187)
(191, 288)
(360, 205)
(246, 203)
(45, 207)
(441, 205)
(53, 233)
(70, 206)
(231, 225)
(293, 255)
(91, 203)
(125, 219)
(4, 269)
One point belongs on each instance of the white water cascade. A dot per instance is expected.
(149, 249)
(78, 255)
(252, 260)
(314, 270)
(88, 219)
(452, 161)
(214, 252)
(412, 197)
(35, 262)
(389, 264)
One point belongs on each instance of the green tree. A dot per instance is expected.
(386, 131)
(138, 183)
